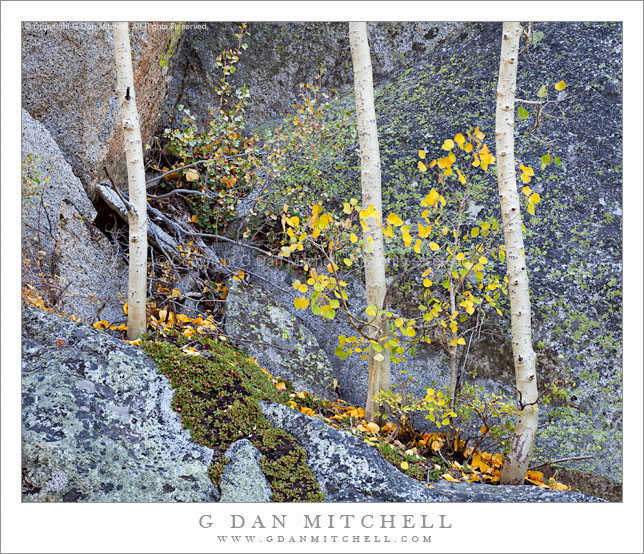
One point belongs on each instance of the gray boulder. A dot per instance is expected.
(242, 479)
(265, 330)
(348, 470)
(282, 55)
(97, 423)
(68, 82)
(81, 271)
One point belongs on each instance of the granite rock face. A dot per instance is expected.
(348, 470)
(242, 479)
(86, 274)
(68, 82)
(280, 56)
(97, 425)
(279, 342)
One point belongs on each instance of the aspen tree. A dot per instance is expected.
(516, 462)
(137, 210)
(374, 254)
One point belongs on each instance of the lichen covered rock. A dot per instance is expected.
(71, 263)
(242, 479)
(348, 470)
(267, 332)
(97, 425)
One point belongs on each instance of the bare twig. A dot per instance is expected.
(126, 203)
(571, 459)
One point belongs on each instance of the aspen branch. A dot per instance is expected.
(551, 462)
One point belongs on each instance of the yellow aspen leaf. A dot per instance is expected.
(369, 245)
(535, 198)
(448, 144)
(421, 154)
(461, 178)
(424, 230)
(432, 197)
(527, 191)
(476, 161)
(280, 386)
(468, 147)
(162, 315)
(365, 214)
(534, 475)
(192, 175)
(372, 427)
(407, 239)
(301, 303)
(302, 288)
(393, 219)
(346, 208)
(404, 465)
(432, 163)
(323, 221)
(530, 208)
(353, 238)
(434, 246)
(307, 411)
(194, 219)
(379, 357)
(417, 246)
(560, 85)
(459, 139)
(527, 169)
(442, 200)
(525, 178)
(461, 340)
(125, 308)
(478, 134)
(460, 256)
(388, 232)
(447, 171)
(347, 262)
(427, 283)
(100, 325)
(293, 221)
(483, 430)
(448, 477)
(452, 157)
(371, 310)
(474, 232)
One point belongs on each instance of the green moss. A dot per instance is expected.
(217, 394)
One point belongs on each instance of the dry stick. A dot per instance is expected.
(177, 227)
(572, 459)
(181, 191)
(126, 203)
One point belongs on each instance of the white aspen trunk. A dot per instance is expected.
(137, 215)
(379, 378)
(516, 462)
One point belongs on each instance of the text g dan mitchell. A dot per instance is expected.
(327, 521)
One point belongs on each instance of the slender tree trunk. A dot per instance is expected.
(518, 459)
(379, 378)
(137, 214)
